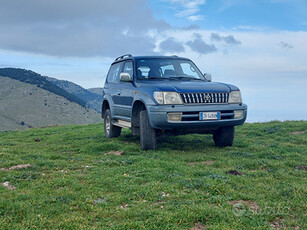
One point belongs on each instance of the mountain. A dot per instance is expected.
(90, 98)
(30, 77)
(67, 89)
(26, 105)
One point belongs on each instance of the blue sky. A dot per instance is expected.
(219, 14)
(258, 45)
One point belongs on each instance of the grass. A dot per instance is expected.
(74, 184)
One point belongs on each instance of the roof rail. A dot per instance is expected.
(123, 56)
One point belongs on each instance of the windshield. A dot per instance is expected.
(173, 69)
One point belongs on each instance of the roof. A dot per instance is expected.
(130, 57)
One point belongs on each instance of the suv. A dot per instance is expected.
(152, 95)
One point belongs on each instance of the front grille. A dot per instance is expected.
(204, 98)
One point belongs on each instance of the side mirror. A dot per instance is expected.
(125, 77)
(208, 76)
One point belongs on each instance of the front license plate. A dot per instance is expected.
(209, 115)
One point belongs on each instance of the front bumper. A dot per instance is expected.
(158, 116)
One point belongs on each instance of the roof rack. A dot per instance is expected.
(123, 56)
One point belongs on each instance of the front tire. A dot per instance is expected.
(224, 136)
(110, 130)
(148, 136)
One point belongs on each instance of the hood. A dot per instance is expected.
(188, 86)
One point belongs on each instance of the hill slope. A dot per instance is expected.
(78, 181)
(25, 105)
(30, 77)
(91, 99)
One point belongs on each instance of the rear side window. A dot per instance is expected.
(113, 75)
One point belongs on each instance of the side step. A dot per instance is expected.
(123, 124)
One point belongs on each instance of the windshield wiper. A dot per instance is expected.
(158, 78)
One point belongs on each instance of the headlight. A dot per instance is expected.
(172, 98)
(235, 97)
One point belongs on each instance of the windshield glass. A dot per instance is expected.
(173, 69)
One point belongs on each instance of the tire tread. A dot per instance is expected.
(148, 136)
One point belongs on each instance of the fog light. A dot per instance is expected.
(174, 116)
(238, 114)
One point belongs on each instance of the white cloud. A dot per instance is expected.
(89, 28)
(248, 28)
(226, 4)
(194, 18)
(188, 8)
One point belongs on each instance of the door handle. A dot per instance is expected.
(118, 93)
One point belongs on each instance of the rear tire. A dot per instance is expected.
(224, 136)
(148, 136)
(110, 130)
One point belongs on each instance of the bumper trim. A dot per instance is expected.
(158, 116)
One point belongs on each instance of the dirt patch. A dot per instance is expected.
(201, 163)
(23, 166)
(198, 226)
(235, 172)
(8, 185)
(297, 132)
(277, 224)
(124, 206)
(301, 167)
(239, 204)
(164, 194)
(117, 153)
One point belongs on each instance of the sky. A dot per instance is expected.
(258, 45)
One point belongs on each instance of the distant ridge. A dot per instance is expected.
(92, 99)
(30, 77)
(24, 105)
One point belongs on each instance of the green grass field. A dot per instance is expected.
(76, 183)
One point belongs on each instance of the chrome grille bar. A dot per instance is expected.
(204, 98)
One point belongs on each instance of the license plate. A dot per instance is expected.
(209, 115)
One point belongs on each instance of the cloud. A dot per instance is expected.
(248, 28)
(285, 45)
(229, 40)
(188, 9)
(191, 27)
(86, 28)
(170, 45)
(196, 17)
(199, 46)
